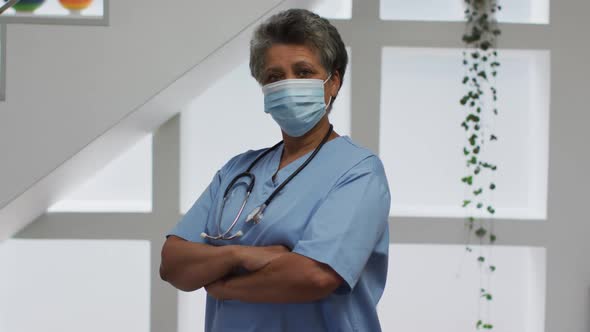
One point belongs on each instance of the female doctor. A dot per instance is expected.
(294, 237)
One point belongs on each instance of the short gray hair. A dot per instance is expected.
(300, 27)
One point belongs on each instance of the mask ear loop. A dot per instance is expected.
(330, 100)
(329, 103)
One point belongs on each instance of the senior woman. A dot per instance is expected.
(292, 237)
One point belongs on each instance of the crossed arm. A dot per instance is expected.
(276, 275)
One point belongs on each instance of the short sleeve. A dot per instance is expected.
(193, 223)
(348, 225)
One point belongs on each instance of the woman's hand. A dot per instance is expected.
(251, 259)
(216, 289)
(255, 258)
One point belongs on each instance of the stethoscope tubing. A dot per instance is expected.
(248, 174)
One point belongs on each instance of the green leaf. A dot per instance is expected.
(481, 259)
(464, 100)
(492, 186)
(478, 324)
(480, 232)
(491, 210)
(493, 138)
(465, 151)
(468, 179)
(472, 117)
(477, 170)
(479, 205)
(465, 79)
(478, 191)
(466, 202)
(492, 238)
(487, 165)
(492, 268)
(476, 150)
(472, 139)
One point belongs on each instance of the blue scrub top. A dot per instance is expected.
(334, 211)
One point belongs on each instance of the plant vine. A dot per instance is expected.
(480, 61)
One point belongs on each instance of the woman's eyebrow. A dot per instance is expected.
(301, 64)
(273, 70)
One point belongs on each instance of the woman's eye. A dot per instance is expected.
(305, 73)
(273, 78)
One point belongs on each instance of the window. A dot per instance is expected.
(191, 310)
(69, 285)
(513, 11)
(436, 288)
(335, 9)
(123, 185)
(421, 141)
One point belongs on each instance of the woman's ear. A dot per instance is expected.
(335, 84)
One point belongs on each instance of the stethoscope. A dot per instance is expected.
(257, 214)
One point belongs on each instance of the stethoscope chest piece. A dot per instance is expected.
(256, 215)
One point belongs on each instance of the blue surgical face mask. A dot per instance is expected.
(297, 105)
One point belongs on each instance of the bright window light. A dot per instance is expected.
(191, 310)
(513, 11)
(123, 185)
(337, 9)
(437, 288)
(421, 141)
(74, 285)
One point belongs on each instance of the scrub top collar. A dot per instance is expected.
(284, 172)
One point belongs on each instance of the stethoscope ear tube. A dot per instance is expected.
(239, 176)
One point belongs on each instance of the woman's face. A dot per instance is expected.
(287, 61)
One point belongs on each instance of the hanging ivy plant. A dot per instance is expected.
(480, 61)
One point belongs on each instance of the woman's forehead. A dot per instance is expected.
(288, 55)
